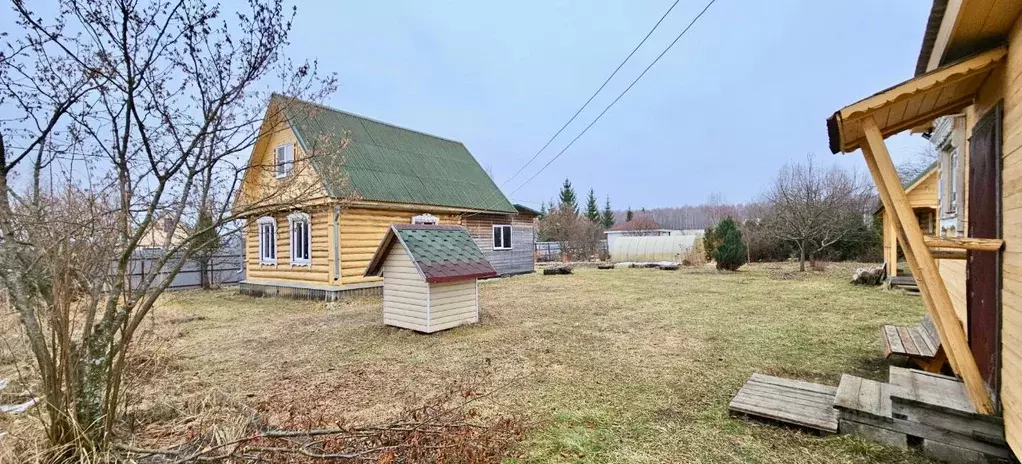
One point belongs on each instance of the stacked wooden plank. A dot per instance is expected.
(921, 409)
(915, 408)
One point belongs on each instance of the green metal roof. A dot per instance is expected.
(442, 253)
(386, 163)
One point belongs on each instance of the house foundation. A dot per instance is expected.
(303, 291)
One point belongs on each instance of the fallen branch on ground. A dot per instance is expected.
(446, 428)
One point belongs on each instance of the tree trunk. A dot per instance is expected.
(802, 256)
(204, 273)
(90, 396)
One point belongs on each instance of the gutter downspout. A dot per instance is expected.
(337, 244)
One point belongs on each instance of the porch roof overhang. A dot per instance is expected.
(943, 91)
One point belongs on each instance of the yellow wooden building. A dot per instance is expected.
(924, 197)
(967, 94)
(323, 187)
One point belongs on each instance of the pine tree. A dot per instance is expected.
(542, 210)
(568, 199)
(592, 208)
(629, 215)
(731, 253)
(607, 220)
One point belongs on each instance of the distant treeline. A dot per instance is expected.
(690, 217)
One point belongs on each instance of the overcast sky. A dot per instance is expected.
(747, 89)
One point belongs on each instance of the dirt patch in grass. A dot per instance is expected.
(623, 365)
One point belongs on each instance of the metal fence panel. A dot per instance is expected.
(225, 268)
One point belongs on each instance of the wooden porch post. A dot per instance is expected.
(890, 243)
(924, 268)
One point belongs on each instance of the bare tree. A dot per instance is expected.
(915, 165)
(814, 208)
(114, 115)
(577, 237)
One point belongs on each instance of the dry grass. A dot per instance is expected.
(625, 365)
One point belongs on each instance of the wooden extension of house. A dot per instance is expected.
(967, 97)
(923, 196)
(324, 186)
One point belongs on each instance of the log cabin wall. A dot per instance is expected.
(1009, 89)
(320, 256)
(361, 231)
(1003, 85)
(520, 258)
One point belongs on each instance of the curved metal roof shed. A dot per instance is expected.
(652, 248)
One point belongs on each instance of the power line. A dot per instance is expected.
(611, 76)
(558, 155)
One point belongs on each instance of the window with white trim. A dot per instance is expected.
(949, 139)
(501, 237)
(284, 159)
(427, 219)
(267, 240)
(301, 238)
(953, 183)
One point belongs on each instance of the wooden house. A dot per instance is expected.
(430, 276)
(344, 180)
(967, 94)
(924, 197)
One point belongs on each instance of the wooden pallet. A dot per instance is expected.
(803, 404)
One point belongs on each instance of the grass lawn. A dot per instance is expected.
(630, 365)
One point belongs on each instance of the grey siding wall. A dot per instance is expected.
(520, 258)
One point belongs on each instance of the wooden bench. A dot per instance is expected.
(920, 343)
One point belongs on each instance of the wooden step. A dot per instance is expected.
(903, 281)
(803, 404)
(865, 411)
(861, 396)
(871, 410)
(931, 390)
(937, 407)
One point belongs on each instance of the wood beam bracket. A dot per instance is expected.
(975, 244)
(924, 267)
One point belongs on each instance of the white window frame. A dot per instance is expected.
(267, 243)
(954, 160)
(283, 160)
(303, 223)
(425, 219)
(499, 229)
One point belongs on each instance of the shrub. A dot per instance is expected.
(709, 243)
(731, 252)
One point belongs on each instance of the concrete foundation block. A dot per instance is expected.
(955, 454)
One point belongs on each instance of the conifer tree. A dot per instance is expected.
(607, 219)
(568, 199)
(731, 252)
(629, 215)
(592, 208)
